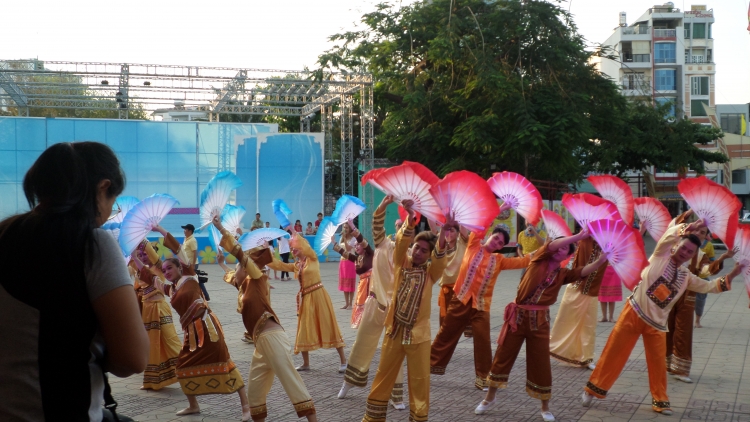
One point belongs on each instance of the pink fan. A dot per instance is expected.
(585, 207)
(614, 189)
(555, 225)
(716, 205)
(624, 248)
(653, 215)
(469, 197)
(370, 177)
(742, 244)
(403, 182)
(426, 174)
(519, 192)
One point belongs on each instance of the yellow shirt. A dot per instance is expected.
(529, 243)
(190, 245)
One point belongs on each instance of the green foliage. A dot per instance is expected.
(468, 84)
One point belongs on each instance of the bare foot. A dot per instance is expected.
(348, 307)
(698, 325)
(345, 306)
(603, 320)
(272, 287)
(275, 278)
(188, 411)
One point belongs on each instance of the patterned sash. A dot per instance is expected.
(408, 300)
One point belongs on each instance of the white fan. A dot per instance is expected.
(142, 218)
(216, 194)
(260, 237)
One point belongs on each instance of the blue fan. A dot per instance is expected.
(216, 194)
(142, 218)
(259, 237)
(281, 211)
(326, 229)
(347, 207)
(231, 218)
(123, 204)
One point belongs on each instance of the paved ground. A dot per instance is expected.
(721, 370)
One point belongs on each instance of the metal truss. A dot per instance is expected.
(122, 87)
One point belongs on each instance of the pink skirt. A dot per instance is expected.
(611, 288)
(347, 275)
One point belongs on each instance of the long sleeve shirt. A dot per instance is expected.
(540, 285)
(306, 271)
(362, 263)
(409, 315)
(381, 279)
(588, 252)
(662, 282)
(479, 271)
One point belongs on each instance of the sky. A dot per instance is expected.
(286, 34)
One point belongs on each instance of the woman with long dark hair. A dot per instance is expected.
(63, 325)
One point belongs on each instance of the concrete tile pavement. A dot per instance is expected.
(721, 370)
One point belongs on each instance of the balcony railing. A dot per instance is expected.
(636, 30)
(698, 60)
(636, 84)
(665, 33)
(636, 58)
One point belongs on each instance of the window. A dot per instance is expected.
(696, 108)
(731, 123)
(665, 52)
(633, 81)
(710, 25)
(687, 30)
(667, 100)
(699, 30)
(739, 176)
(709, 55)
(665, 80)
(699, 85)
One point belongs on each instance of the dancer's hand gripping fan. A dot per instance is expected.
(142, 218)
(615, 190)
(326, 229)
(519, 193)
(231, 219)
(653, 215)
(716, 205)
(742, 257)
(407, 181)
(623, 246)
(282, 212)
(403, 215)
(259, 237)
(215, 195)
(468, 198)
(347, 208)
(585, 207)
(555, 225)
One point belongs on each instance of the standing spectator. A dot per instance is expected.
(317, 222)
(347, 270)
(257, 224)
(268, 225)
(310, 230)
(610, 292)
(529, 240)
(284, 253)
(190, 246)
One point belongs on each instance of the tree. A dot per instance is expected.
(490, 86)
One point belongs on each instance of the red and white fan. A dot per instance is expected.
(402, 214)
(426, 174)
(519, 192)
(716, 205)
(404, 182)
(555, 225)
(614, 189)
(742, 244)
(623, 246)
(585, 207)
(653, 215)
(469, 198)
(370, 177)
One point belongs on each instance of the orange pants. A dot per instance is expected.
(616, 352)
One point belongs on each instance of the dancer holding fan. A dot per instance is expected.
(204, 365)
(271, 357)
(527, 320)
(362, 260)
(646, 311)
(376, 306)
(316, 322)
(679, 351)
(475, 283)
(573, 336)
(408, 320)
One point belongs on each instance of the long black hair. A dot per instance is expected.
(61, 190)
